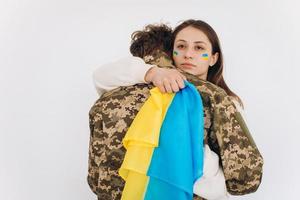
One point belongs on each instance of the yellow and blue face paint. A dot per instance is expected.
(204, 56)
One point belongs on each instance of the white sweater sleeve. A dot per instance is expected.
(123, 72)
(211, 185)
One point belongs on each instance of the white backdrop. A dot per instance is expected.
(49, 48)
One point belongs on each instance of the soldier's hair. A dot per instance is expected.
(151, 38)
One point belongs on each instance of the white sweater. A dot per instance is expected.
(131, 70)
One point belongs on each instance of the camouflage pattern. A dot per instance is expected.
(225, 132)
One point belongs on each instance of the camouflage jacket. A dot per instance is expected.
(225, 132)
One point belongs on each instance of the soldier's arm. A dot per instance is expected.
(241, 160)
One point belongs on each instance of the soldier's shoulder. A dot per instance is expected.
(214, 89)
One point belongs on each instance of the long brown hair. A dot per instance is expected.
(215, 72)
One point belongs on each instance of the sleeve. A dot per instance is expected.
(240, 158)
(123, 72)
(212, 184)
(95, 151)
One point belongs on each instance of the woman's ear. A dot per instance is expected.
(214, 59)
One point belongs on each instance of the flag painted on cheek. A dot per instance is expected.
(164, 147)
(204, 56)
(175, 53)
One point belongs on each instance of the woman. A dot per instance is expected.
(195, 49)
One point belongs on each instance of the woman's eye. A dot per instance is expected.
(199, 48)
(180, 46)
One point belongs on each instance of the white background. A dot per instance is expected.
(49, 48)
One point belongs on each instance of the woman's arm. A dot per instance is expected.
(123, 72)
(132, 70)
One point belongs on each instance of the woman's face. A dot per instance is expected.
(193, 52)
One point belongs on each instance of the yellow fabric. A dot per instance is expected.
(140, 140)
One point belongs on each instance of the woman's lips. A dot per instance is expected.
(187, 65)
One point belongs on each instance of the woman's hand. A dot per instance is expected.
(167, 80)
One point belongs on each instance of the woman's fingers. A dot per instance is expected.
(162, 89)
(175, 86)
(182, 76)
(167, 85)
(180, 83)
(160, 85)
(167, 80)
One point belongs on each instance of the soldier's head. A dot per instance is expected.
(153, 37)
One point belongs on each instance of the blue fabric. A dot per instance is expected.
(178, 160)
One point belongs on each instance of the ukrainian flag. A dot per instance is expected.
(164, 146)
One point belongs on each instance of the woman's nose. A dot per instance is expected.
(188, 54)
